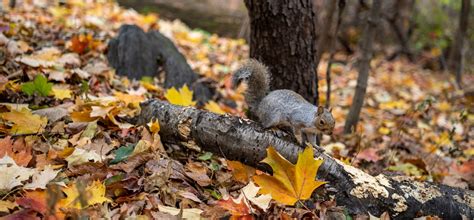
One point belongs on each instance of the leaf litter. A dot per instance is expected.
(67, 148)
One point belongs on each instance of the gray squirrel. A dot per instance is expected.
(281, 108)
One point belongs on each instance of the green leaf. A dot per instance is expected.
(214, 166)
(84, 87)
(214, 194)
(28, 88)
(122, 153)
(205, 156)
(39, 85)
(114, 179)
(147, 79)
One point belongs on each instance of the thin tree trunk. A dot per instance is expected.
(364, 66)
(360, 193)
(456, 58)
(401, 16)
(326, 30)
(282, 36)
(332, 50)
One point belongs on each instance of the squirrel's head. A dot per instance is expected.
(324, 121)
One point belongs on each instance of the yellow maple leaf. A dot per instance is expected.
(214, 107)
(289, 182)
(150, 87)
(384, 130)
(24, 122)
(154, 126)
(184, 97)
(61, 93)
(93, 194)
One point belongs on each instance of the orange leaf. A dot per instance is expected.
(83, 43)
(241, 172)
(236, 208)
(38, 201)
(35, 200)
(289, 182)
(17, 151)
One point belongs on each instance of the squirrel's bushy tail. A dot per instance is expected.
(257, 77)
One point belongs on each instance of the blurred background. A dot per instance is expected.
(423, 29)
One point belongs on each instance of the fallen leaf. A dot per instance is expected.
(35, 200)
(80, 156)
(6, 206)
(369, 154)
(12, 174)
(93, 194)
(45, 57)
(240, 171)
(20, 153)
(154, 126)
(250, 192)
(184, 97)
(61, 93)
(198, 172)
(236, 207)
(41, 179)
(214, 107)
(122, 153)
(24, 122)
(130, 99)
(289, 182)
(186, 213)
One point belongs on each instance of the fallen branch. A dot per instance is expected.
(238, 139)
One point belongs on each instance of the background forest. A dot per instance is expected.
(87, 131)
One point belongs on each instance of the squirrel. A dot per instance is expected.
(281, 108)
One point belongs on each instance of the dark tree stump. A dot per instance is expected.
(134, 53)
(131, 55)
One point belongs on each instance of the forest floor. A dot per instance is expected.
(66, 147)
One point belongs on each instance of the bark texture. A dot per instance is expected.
(458, 51)
(282, 36)
(364, 67)
(235, 138)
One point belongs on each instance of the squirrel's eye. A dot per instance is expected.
(321, 122)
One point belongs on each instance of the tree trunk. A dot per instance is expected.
(237, 139)
(325, 35)
(364, 67)
(456, 58)
(282, 36)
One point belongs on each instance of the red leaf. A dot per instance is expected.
(236, 209)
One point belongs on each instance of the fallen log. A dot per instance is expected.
(239, 139)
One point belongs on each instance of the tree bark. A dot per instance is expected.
(235, 138)
(332, 50)
(403, 9)
(325, 36)
(282, 36)
(364, 67)
(457, 53)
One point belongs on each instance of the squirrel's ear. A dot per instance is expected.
(320, 110)
(330, 109)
